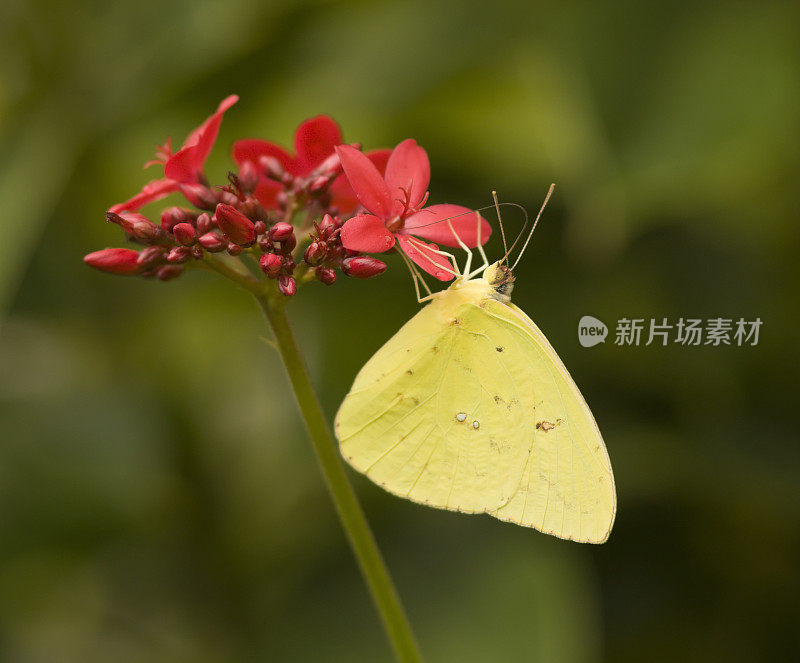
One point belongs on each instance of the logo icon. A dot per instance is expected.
(591, 331)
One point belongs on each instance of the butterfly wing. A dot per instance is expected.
(468, 408)
(422, 419)
(567, 487)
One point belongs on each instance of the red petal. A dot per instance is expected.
(315, 140)
(432, 223)
(267, 192)
(368, 184)
(251, 149)
(186, 164)
(366, 233)
(204, 136)
(343, 197)
(151, 191)
(422, 254)
(410, 170)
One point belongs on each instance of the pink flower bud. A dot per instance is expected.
(236, 226)
(213, 242)
(327, 226)
(264, 244)
(204, 224)
(288, 264)
(261, 227)
(330, 167)
(172, 216)
(287, 285)
(248, 176)
(280, 231)
(184, 234)
(169, 272)
(319, 183)
(325, 275)
(271, 167)
(287, 245)
(234, 249)
(363, 267)
(228, 197)
(150, 256)
(114, 261)
(315, 253)
(200, 196)
(270, 264)
(138, 226)
(179, 254)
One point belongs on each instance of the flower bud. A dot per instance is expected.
(184, 234)
(261, 227)
(138, 226)
(169, 272)
(288, 264)
(319, 183)
(271, 167)
(204, 224)
(200, 196)
(248, 176)
(287, 285)
(234, 249)
(270, 264)
(236, 226)
(327, 226)
(150, 256)
(264, 244)
(315, 253)
(330, 167)
(325, 275)
(228, 197)
(287, 245)
(280, 231)
(172, 216)
(213, 242)
(363, 267)
(197, 252)
(179, 254)
(114, 261)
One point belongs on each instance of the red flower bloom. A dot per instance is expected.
(314, 142)
(183, 167)
(114, 261)
(394, 203)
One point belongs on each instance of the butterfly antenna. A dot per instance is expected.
(530, 234)
(500, 222)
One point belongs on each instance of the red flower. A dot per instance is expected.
(314, 142)
(183, 167)
(394, 201)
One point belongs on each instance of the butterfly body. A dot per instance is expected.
(468, 408)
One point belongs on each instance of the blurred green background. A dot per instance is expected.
(158, 498)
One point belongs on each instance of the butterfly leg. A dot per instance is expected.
(463, 246)
(451, 258)
(416, 277)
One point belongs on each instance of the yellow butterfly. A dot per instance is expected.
(468, 408)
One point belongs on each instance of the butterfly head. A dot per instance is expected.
(501, 279)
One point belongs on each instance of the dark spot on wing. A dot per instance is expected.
(409, 372)
(455, 321)
(435, 349)
(499, 348)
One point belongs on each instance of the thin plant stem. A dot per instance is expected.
(349, 509)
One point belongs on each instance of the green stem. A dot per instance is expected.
(350, 513)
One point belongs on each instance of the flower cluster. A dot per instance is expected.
(295, 217)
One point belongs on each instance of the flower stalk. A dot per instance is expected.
(341, 491)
